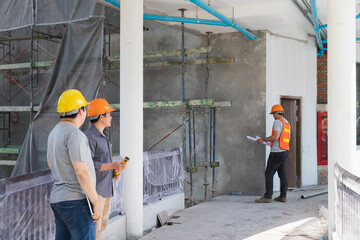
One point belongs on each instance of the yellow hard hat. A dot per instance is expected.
(69, 101)
(276, 108)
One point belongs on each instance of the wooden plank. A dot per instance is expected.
(17, 108)
(7, 163)
(10, 150)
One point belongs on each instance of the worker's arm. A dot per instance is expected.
(117, 166)
(48, 162)
(87, 184)
(274, 137)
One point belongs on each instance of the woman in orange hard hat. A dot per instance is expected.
(280, 139)
(99, 112)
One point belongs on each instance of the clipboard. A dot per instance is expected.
(90, 206)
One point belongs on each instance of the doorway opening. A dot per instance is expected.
(292, 107)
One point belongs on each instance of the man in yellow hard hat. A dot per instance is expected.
(99, 112)
(280, 146)
(73, 199)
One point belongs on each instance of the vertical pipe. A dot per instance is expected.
(183, 86)
(210, 142)
(194, 148)
(341, 95)
(206, 146)
(190, 156)
(131, 112)
(37, 59)
(9, 126)
(213, 148)
(31, 96)
(183, 55)
(104, 62)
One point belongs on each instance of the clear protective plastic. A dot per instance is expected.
(25, 207)
(163, 173)
(347, 204)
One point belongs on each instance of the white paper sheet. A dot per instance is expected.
(254, 139)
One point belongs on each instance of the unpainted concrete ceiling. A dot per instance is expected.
(278, 16)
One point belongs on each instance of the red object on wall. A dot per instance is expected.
(322, 138)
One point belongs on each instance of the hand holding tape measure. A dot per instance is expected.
(124, 161)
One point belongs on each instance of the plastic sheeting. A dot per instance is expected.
(78, 65)
(16, 14)
(64, 11)
(25, 207)
(163, 173)
(118, 197)
(347, 204)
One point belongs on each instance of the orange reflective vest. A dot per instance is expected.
(284, 140)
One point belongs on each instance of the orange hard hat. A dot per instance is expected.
(98, 106)
(276, 108)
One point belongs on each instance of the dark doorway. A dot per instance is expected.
(292, 107)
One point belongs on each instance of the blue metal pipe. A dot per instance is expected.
(113, 2)
(316, 28)
(223, 18)
(184, 20)
(175, 19)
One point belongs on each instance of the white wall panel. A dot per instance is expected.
(291, 70)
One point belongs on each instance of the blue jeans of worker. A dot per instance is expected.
(73, 220)
(276, 163)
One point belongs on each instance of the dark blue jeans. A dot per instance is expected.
(276, 163)
(73, 220)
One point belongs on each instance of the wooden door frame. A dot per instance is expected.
(298, 136)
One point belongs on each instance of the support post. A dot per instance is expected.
(341, 94)
(131, 112)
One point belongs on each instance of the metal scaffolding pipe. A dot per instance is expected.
(225, 22)
(314, 194)
(223, 18)
(184, 20)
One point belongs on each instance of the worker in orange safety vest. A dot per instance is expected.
(280, 146)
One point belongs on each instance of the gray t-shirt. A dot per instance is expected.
(278, 126)
(66, 143)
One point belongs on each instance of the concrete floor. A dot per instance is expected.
(239, 217)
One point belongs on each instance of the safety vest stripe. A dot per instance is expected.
(286, 140)
(287, 130)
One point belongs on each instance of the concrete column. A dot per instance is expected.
(341, 93)
(131, 112)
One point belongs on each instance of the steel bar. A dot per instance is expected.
(15, 82)
(213, 146)
(190, 155)
(314, 194)
(166, 136)
(193, 128)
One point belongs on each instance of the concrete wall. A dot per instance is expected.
(291, 71)
(241, 82)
